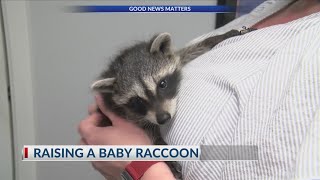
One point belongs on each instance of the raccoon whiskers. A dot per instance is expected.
(146, 124)
(142, 122)
(139, 120)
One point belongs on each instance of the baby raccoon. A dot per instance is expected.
(142, 82)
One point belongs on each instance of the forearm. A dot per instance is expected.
(158, 171)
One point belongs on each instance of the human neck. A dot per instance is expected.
(293, 11)
(304, 7)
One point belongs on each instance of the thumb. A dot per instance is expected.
(116, 120)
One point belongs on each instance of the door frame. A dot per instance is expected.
(6, 144)
(18, 50)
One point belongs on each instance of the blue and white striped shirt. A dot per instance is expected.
(262, 88)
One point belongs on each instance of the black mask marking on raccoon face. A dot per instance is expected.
(168, 86)
(138, 105)
(163, 84)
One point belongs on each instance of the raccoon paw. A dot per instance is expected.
(175, 168)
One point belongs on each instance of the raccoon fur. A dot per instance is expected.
(142, 82)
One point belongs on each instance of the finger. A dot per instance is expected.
(95, 119)
(89, 125)
(82, 142)
(94, 165)
(116, 120)
(92, 108)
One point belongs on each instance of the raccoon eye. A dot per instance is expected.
(163, 84)
(137, 104)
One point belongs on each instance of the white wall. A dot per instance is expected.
(68, 50)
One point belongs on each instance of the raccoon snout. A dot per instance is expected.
(163, 117)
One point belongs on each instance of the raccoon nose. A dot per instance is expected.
(163, 118)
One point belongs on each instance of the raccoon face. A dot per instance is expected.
(155, 101)
(143, 81)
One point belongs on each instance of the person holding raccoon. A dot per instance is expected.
(250, 87)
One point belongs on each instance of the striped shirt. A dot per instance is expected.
(263, 89)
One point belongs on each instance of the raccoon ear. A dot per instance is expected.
(103, 85)
(161, 43)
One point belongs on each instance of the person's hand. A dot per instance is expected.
(121, 132)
